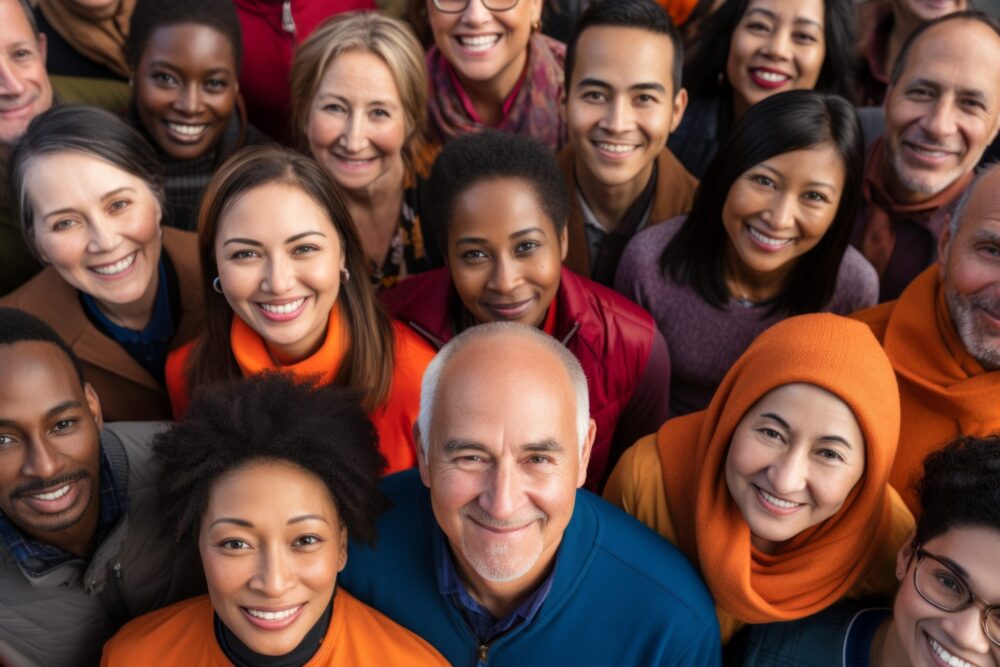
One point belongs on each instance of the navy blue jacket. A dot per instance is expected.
(621, 595)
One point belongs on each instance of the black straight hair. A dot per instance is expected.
(705, 71)
(782, 123)
(641, 14)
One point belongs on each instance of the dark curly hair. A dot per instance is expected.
(17, 326)
(960, 487)
(271, 417)
(494, 154)
(149, 15)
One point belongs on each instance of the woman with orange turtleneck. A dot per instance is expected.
(779, 492)
(286, 287)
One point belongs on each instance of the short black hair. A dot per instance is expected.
(493, 154)
(960, 487)
(18, 326)
(641, 14)
(782, 123)
(904, 53)
(149, 15)
(271, 417)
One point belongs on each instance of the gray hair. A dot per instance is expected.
(494, 330)
(963, 201)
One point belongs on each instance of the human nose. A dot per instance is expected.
(617, 117)
(10, 84)
(788, 474)
(353, 136)
(780, 214)
(41, 460)
(940, 120)
(500, 499)
(189, 100)
(274, 576)
(505, 276)
(103, 236)
(476, 13)
(778, 45)
(965, 629)
(278, 278)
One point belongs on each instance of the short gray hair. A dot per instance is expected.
(963, 201)
(492, 330)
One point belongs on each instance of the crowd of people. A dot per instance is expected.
(499, 332)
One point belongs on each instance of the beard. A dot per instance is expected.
(982, 343)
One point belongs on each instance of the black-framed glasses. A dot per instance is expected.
(458, 6)
(937, 582)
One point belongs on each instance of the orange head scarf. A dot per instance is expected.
(818, 566)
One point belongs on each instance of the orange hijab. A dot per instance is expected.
(819, 565)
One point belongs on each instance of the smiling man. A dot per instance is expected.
(943, 337)
(497, 557)
(942, 110)
(80, 545)
(623, 99)
(25, 92)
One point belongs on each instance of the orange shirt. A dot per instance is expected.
(394, 419)
(183, 634)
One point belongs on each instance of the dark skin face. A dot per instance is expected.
(49, 447)
(185, 88)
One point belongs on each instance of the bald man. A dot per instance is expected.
(491, 552)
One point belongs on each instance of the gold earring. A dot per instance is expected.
(536, 25)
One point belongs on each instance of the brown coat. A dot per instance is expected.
(127, 391)
(674, 195)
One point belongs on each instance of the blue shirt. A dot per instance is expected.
(150, 346)
(484, 625)
(35, 557)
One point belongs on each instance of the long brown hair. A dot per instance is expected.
(368, 362)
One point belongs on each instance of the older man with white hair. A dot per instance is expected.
(498, 557)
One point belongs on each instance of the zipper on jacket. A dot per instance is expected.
(114, 601)
(287, 20)
(484, 654)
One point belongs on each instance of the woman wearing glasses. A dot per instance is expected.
(491, 67)
(947, 611)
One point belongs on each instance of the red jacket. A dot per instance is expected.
(267, 53)
(622, 353)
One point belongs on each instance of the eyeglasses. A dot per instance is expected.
(939, 584)
(458, 6)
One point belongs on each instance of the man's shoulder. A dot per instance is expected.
(877, 318)
(137, 440)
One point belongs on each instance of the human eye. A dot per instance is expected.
(163, 78)
(380, 113)
(539, 459)
(306, 541)
(64, 425)
(814, 196)
(770, 433)
(474, 256)
(973, 103)
(334, 107)
(63, 224)
(919, 93)
(216, 85)
(763, 179)
(119, 204)
(646, 98)
(5, 440)
(594, 96)
(244, 253)
(830, 454)
(22, 54)
(757, 26)
(234, 544)
(305, 249)
(950, 581)
(803, 37)
(991, 250)
(526, 246)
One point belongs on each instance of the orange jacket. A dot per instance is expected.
(183, 635)
(394, 419)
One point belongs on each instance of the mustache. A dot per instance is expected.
(34, 486)
(481, 516)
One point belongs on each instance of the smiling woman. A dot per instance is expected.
(184, 57)
(118, 287)
(779, 490)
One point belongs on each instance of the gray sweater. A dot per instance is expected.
(705, 341)
(64, 616)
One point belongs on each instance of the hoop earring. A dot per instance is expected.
(345, 275)
(217, 284)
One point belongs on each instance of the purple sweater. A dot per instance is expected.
(705, 341)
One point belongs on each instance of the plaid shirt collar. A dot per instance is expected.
(36, 557)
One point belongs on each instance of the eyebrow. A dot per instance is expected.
(290, 239)
(106, 195)
(955, 566)
(168, 65)
(518, 234)
(597, 83)
(369, 103)
(774, 17)
(546, 445)
(826, 437)
(459, 445)
(247, 524)
(51, 412)
(987, 235)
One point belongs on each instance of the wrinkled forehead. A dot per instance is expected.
(957, 55)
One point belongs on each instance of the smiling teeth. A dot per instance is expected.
(55, 495)
(616, 148)
(479, 42)
(928, 153)
(272, 615)
(952, 660)
(767, 240)
(776, 501)
(284, 308)
(117, 267)
(770, 77)
(187, 130)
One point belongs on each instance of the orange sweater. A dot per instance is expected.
(394, 420)
(183, 635)
(943, 391)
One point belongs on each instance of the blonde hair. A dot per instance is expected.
(372, 32)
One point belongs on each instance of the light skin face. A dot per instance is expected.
(504, 253)
(486, 48)
(99, 227)
(25, 90)
(272, 544)
(943, 111)
(185, 88)
(793, 460)
(776, 46)
(970, 264)
(776, 212)
(503, 463)
(920, 11)
(49, 447)
(357, 126)
(920, 634)
(279, 259)
(621, 105)
(98, 8)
